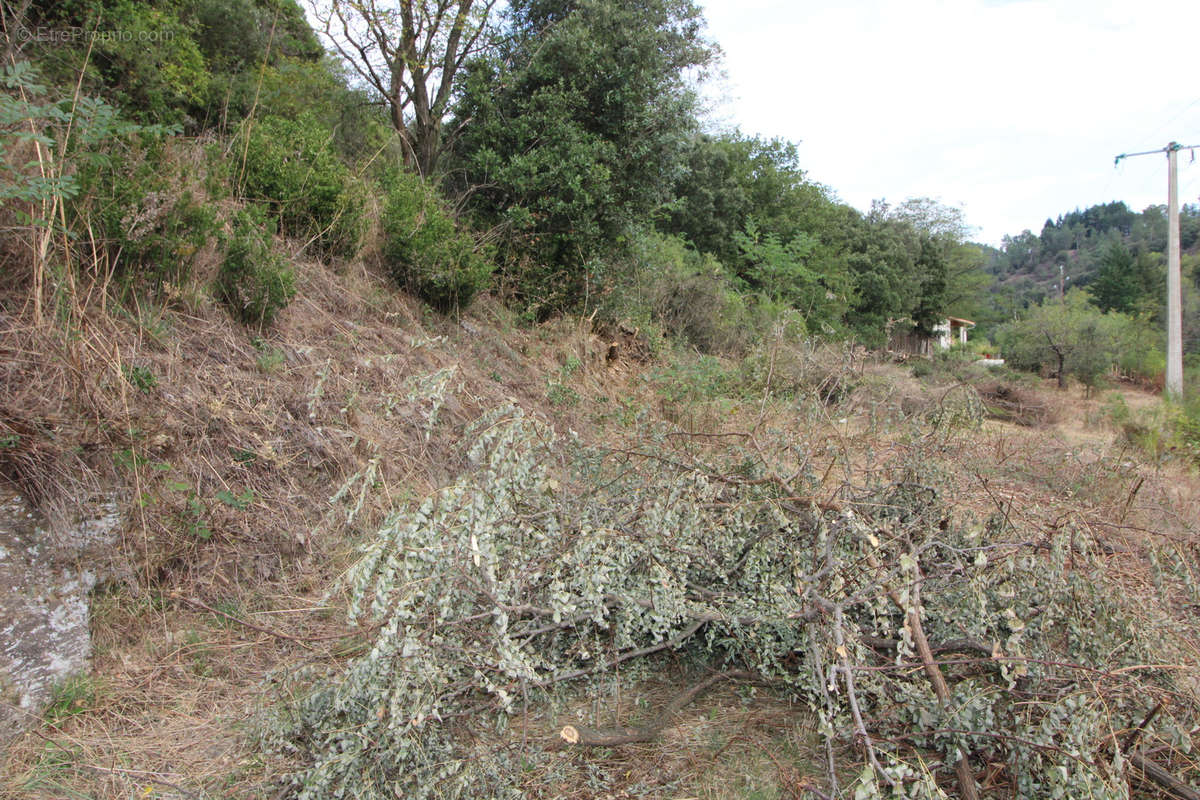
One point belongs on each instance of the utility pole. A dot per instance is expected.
(1174, 386)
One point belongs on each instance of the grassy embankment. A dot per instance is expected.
(228, 449)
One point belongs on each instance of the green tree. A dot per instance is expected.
(881, 257)
(574, 131)
(729, 179)
(931, 265)
(1129, 282)
(1115, 287)
(1074, 338)
(1022, 252)
(786, 271)
(968, 284)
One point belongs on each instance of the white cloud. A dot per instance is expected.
(1012, 109)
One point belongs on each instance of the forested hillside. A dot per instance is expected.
(428, 399)
(1117, 254)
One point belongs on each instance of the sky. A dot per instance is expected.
(1011, 111)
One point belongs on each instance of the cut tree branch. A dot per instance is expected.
(583, 736)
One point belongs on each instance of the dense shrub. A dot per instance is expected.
(254, 280)
(662, 282)
(295, 87)
(190, 62)
(1074, 338)
(292, 166)
(424, 248)
(139, 204)
(154, 70)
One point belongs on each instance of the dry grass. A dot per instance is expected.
(225, 448)
(732, 743)
(229, 446)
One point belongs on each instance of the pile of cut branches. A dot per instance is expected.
(1011, 403)
(948, 652)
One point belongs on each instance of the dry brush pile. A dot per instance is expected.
(938, 653)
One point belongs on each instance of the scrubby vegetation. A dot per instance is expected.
(292, 166)
(453, 399)
(253, 280)
(521, 577)
(425, 250)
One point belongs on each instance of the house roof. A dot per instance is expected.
(961, 322)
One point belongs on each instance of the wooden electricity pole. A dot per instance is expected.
(1174, 384)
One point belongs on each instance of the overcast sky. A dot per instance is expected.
(1012, 111)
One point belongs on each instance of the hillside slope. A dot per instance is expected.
(249, 470)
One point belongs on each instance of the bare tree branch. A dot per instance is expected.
(410, 53)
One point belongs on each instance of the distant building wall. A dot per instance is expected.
(950, 331)
(911, 341)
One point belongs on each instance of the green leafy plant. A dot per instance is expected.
(561, 395)
(688, 379)
(254, 280)
(558, 390)
(922, 368)
(74, 695)
(194, 516)
(270, 359)
(291, 167)
(128, 459)
(237, 501)
(426, 250)
(139, 377)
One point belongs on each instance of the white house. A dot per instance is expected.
(951, 331)
(905, 338)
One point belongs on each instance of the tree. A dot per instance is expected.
(911, 263)
(932, 268)
(410, 54)
(1023, 251)
(789, 271)
(967, 282)
(729, 179)
(881, 257)
(1128, 282)
(578, 124)
(1115, 286)
(1071, 338)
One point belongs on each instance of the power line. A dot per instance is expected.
(1163, 127)
(1193, 182)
